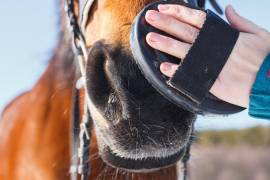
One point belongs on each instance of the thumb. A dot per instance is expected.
(240, 23)
(168, 69)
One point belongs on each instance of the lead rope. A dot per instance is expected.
(85, 139)
(75, 122)
(185, 160)
(80, 156)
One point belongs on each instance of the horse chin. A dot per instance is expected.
(144, 165)
(121, 154)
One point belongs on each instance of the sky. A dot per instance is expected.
(29, 32)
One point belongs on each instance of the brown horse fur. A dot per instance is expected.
(35, 127)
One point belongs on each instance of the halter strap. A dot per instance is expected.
(85, 7)
(75, 121)
(80, 140)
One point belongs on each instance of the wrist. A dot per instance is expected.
(238, 75)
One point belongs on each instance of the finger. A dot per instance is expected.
(168, 45)
(168, 69)
(193, 17)
(172, 26)
(239, 22)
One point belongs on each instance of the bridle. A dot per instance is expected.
(81, 130)
(80, 140)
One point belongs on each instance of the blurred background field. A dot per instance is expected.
(231, 155)
(255, 137)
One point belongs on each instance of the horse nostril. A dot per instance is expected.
(113, 111)
(96, 81)
(102, 82)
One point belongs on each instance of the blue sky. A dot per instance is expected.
(29, 33)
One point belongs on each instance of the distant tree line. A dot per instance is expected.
(257, 136)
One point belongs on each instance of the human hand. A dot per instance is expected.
(235, 81)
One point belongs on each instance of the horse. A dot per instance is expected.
(131, 119)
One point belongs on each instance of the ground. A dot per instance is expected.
(241, 162)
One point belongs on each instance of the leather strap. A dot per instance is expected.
(75, 131)
(85, 7)
(206, 58)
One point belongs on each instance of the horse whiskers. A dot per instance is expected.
(136, 152)
(152, 140)
(101, 173)
(139, 109)
(157, 126)
(144, 125)
(94, 156)
(176, 131)
(106, 171)
(194, 136)
(116, 173)
(169, 139)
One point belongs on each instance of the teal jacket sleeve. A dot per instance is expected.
(259, 106)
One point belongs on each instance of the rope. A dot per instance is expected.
(85, 140)
(185, 160)
(80, 139)
(75, 120)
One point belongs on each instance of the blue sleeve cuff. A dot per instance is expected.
(259, 106)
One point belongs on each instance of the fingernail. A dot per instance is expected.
(163, 7)
(153, 37)
(166, 66)
(152, 15)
